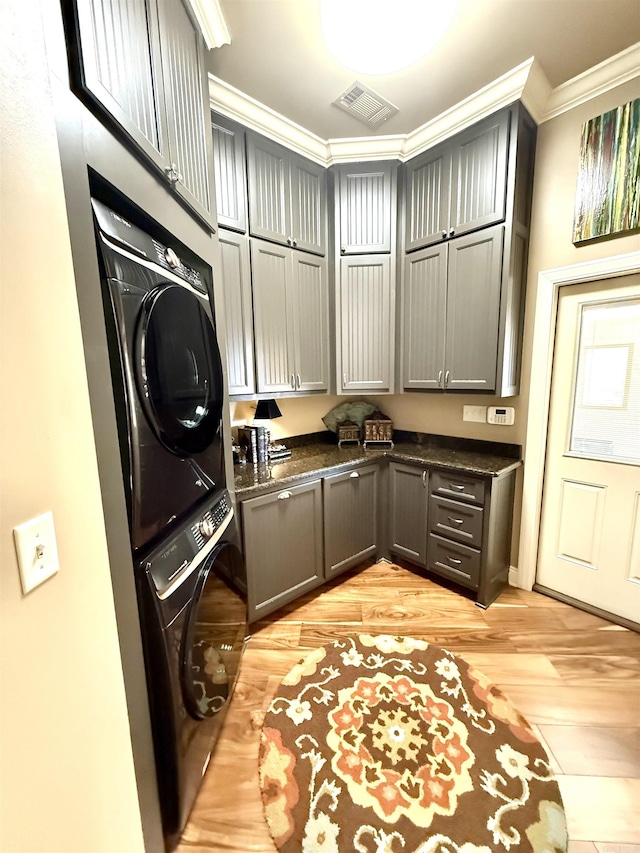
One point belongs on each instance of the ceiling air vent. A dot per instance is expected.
(365, 104)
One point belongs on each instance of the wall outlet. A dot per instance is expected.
(37, 551)
(478, 414)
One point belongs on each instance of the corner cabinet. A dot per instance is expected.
(282, 534)
(350, 518)
(467, 206)
(287, 196)
(230, 173)
(408, 512)
(366, 207)
(290, 307)
(141, 64)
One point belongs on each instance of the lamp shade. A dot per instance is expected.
(267, 410)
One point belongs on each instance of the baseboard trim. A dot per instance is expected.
(588, 608)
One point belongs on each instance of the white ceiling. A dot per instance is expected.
(278, 57)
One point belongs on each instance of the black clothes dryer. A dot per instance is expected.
(167, 377)
(193, 618)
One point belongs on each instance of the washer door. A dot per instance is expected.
(214, 634)
(178, 369)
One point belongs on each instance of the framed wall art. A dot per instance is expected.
(608, 194)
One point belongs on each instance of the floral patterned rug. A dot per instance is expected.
(392, 745)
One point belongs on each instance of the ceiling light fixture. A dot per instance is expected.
(379, 36)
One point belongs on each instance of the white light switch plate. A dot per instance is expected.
(477, 414)
(37, 551)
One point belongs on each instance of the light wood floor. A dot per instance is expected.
(574, 676)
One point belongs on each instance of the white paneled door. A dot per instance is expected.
(590, 528)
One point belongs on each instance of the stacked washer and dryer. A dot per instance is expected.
(168, 384)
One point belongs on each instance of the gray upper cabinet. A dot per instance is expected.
(290, 303)
(190, 144)
(141, 63)
(287, 196)
(350, 518)
(230, 173)
(458, 186)
(366, 323)
(236, 284)
(451, 312)
(366, 207)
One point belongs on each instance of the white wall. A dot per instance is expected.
(67, 781)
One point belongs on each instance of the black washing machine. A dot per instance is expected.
(167, 377)
(193, 617)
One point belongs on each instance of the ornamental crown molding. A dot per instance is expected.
(527, 82)
(211, 21)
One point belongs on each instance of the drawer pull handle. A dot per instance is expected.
(457, 487)
(454, 561)
(354, 475)
(455, 520)
(284, 495)
(424, 479)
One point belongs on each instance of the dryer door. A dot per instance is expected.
(178, 369)
(214, 634)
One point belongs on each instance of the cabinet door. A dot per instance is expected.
(350, 502)
(268, 168)
(428, 183)
(366, 213)
(236, 284)
(308, 205)
(479, 175)
(473, 309)
(423, 311)
(273, 317)
(365, 357)
(120, 69)
(282, 546)
(408, 522)
(190, 143)
(310, 304)
(230, 175)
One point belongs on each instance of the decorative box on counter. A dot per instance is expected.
(378, 429)
(348, 432)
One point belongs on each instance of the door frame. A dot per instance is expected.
(544, 332)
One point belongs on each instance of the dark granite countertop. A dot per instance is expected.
(322, 459)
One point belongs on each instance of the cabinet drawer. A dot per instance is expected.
(453, 561)
(456, 520)
(451, 484)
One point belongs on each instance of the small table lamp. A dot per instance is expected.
(267, 410)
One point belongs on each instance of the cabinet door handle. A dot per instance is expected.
(289, 241)
(292, 381)
(354, 475)
(298, 381)
(344, 380)
(444, 235)
(457, 486)
(173, 174)
(294, 242)
(343, 249)
(454, 561)
(446, 378)
(452, 231)
(424, 479)
(439, 378)
(455, 520)
(283, 496)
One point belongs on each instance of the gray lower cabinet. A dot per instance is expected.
(290, 304)
(282, 534)
(451, 311)
(238, 305)
(366, 324)
(350, 518)
(408, 512)
(142, 64)
(458, 528)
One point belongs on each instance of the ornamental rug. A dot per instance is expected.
(392, 745)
